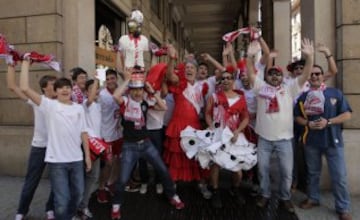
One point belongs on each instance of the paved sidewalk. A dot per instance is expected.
(10, 189)
(326, 210)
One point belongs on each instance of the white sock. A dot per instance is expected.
(115, 207)
(176, 198)
(19, 217)
(50, 214)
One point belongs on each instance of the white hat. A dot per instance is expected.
(137, 16)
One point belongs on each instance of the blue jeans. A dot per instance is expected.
(337, 170)
(284, 153)
(35, 169)
(67, 181)
(91, 183)
(157, 138)
(131, 152)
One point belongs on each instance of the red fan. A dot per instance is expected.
(156, 75)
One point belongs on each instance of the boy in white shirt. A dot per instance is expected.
(36, 163)
(65, 122)
(93, 123)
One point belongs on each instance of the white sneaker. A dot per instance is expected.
(50, 215)
(204, 191)
(159, 188)
(19, 217)
(143, 188)
(86, 214)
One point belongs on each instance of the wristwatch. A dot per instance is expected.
(329, 122)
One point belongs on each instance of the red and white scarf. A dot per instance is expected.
(78, 96)
(269, 94)
(133, 112)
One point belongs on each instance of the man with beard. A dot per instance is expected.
(274, 123)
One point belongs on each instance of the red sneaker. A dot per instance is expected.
(115, 215)
(102, 196)
(176, 202)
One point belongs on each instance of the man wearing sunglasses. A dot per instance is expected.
(274, 123)
(295, 69)
(322, 111)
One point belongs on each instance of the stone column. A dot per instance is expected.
(78, 34)
(282, 31)
(317, 23)
(335, 23)
(28, 27)
(348, 60)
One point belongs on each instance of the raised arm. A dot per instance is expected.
(308, 51)
(160, 104)
(11, 83)
(228, 57)
(24, 83)
(250, 62)
(332, 68)
(207, 57)
(93, 92)
(265, 51)
(122, 88)
(208, 112)
(170, 75)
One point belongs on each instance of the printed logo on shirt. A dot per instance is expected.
(333, 101)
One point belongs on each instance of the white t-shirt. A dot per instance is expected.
(278, 125)
(133, 50)
(40, 137)
(111, 129)
(155, 118)
(64, 123)
(93, 118)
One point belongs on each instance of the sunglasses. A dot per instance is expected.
(274, 73)
(316, 73)
(227, 78)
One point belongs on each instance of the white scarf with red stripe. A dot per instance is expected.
(269, 94)
(315, 101)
